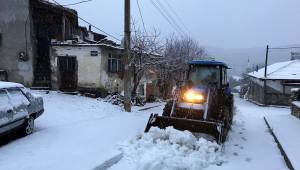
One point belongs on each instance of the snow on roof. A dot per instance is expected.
(288, 70)
(4, 84)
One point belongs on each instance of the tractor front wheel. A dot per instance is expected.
(168, 108)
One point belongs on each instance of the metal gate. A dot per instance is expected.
(67, 73)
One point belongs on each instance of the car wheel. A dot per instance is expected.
(28, 127)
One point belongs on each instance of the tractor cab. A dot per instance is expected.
(208, 73)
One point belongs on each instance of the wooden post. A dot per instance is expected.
(127, 73)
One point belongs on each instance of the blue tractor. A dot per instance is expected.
(203, 104)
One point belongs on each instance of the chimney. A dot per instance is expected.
(90, 28)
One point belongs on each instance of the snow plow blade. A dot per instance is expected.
(214, 129)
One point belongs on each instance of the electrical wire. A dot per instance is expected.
(76, 3)
(166, 18)
(140, 12)
(170, 16)
(84, 20)
(175, 13)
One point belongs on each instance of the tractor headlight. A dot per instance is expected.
(193, 97)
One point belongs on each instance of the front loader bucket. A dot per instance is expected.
(214, 129)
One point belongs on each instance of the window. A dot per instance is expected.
(224, 74)
(4, 101)
(114, 63)
(142, 90)
(94, 53)
(17, 97)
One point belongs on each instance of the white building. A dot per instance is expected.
(281, 78)
(89, 67)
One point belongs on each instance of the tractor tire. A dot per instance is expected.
(168, 108)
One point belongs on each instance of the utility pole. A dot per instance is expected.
(265, 76)
(266, 62)
(127, 71)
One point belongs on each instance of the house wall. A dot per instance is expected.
(93, 72)
(113, 82)
(15, 21)
(89, 67)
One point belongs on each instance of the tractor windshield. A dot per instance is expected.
(204, 74)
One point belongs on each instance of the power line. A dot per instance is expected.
(166, 18)
(140, 12)
(76, 3)
(170, 16)
(89, 23)
(175, 13)
(283, 48)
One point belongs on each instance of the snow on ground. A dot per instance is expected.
(170, 149)
(286, 129)
(250, 146)
(75, 133)
(81, 133)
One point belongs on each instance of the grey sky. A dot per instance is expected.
(217, 23)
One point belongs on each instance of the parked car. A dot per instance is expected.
(18, 108)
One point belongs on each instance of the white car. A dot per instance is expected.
(18, 108)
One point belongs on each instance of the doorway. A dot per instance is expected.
(67, 67)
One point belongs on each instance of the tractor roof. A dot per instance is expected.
(209, 63)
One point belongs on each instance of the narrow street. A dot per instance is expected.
(82, 133)
(250, 145)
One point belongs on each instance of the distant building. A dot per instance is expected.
(295, 105)
(295, 55)
(275, 89)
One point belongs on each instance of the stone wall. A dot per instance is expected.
(272, 96)
(15, 21)
(295, 108)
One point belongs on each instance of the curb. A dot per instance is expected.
(283, 153)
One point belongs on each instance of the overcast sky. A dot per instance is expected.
(215, 23)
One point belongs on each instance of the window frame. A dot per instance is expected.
(114, 63)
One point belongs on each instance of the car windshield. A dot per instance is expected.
(204, 74)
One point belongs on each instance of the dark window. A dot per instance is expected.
(114, 63)
(94, 53)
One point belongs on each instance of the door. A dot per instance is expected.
(68, 73)
(20, 104)
(6, 112)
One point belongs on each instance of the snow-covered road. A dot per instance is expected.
(250, 145)
(75, 132)
(80, 133)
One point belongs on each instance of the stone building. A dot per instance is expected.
(26, 30)
(275, 88)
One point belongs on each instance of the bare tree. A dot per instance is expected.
(177, 54)
(146, 50)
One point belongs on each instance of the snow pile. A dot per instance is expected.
(171, 149)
